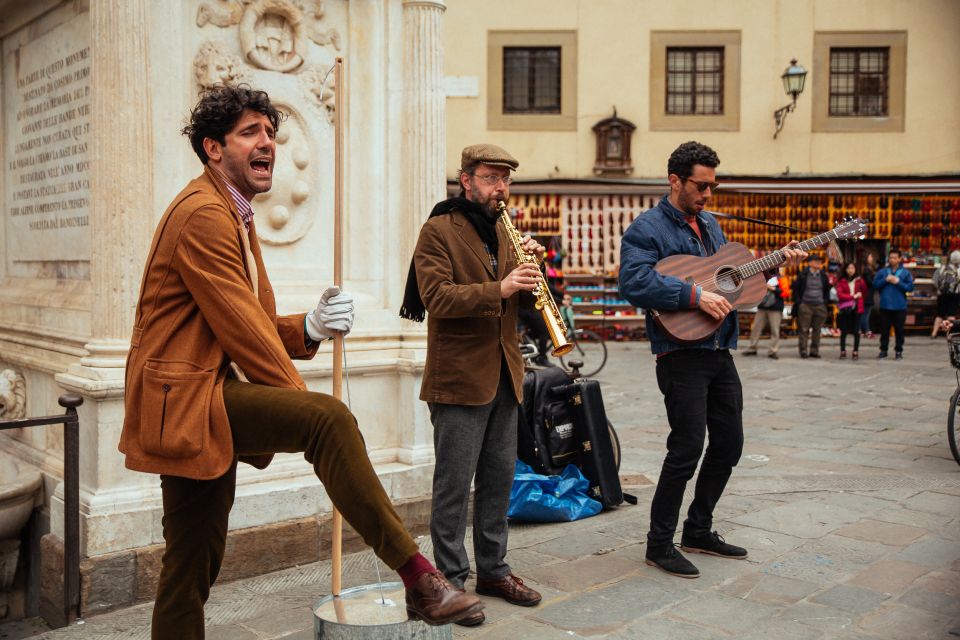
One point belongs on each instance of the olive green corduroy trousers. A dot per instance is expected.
(195, 512)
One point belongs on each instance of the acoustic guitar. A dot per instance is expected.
(734, 273)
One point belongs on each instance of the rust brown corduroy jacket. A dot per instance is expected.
(469, 327)
(197, 312)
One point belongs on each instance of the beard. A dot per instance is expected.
(489, 204)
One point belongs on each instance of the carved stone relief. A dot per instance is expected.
(273, 33)
(222, 13)
(212, 66)
(13, 395)
(285, 213)
(273, 36)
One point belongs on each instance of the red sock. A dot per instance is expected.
(415, 567)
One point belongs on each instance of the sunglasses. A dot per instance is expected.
(703, 186)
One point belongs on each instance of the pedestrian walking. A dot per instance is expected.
(851, 293)
(811, 295)
(769, 314)
(893, 282)
(946, 280)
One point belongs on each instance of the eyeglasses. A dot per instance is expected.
(703, 186)
(492, 179)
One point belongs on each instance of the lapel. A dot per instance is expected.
(505, 253)
(250, 255)
(472, 239)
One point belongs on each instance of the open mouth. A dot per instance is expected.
(261, 166)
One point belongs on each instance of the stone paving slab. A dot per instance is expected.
(803, 519)
(883, 532)
(889, 576)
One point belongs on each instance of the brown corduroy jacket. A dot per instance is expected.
(197, 312)
(469, 327)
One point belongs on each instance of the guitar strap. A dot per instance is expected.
(763, 222)
(832, 249)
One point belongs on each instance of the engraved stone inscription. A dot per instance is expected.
(46, 155)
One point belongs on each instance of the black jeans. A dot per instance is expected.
(702, 393)
(890, 318)
(849, 323)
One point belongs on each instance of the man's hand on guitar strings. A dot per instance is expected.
(714, 304)
(793, 254)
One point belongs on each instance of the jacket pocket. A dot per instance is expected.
(175, 409)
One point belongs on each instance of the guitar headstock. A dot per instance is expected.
(851, 227)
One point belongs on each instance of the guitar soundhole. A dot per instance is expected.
(728, 280)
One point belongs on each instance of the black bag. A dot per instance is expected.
(770, 300)
(597, 461)
(545, 436)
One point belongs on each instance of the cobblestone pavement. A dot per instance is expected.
(846, 497)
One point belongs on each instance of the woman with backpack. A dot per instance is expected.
(946, 280)
(851, 292)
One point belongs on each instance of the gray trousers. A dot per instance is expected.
(476, 443)
(810, 319)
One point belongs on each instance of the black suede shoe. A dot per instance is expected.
(712, 544)
(672, 561)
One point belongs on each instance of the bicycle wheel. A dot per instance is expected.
(615, 441)
(952, 423)
(589, 348)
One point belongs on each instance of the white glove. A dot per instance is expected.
(333, 315)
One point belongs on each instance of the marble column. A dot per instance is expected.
(425, 184)
(425, 126)
(115, 504)
(121, 181)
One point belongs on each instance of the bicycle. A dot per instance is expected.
(589, 349)
(953, 417)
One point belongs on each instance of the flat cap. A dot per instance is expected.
(487, 154)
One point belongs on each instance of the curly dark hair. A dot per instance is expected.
(688, 154)
(220, 108)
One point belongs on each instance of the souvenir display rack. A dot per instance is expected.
(583, 228)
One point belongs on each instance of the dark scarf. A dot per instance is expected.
(486, 227)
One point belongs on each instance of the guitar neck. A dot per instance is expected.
(776, 258)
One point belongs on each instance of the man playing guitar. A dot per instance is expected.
(698, 379)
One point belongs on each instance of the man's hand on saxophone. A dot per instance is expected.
(533, 247)
(524, 278)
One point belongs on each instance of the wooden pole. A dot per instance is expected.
(337, 541)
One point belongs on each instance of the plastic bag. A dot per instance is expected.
(537, 498)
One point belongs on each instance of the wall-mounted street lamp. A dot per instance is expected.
(793, 79)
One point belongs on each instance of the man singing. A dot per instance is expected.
(210, 380)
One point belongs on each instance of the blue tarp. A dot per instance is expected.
(537, 498)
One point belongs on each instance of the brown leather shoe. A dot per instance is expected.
(435, 601)
(474, 620)
(510, 588)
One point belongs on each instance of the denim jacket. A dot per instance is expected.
(657, 234)
(893, 297)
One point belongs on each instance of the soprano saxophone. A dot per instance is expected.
(545, 303)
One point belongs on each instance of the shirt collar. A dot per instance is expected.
(243, 205)
(679, 215)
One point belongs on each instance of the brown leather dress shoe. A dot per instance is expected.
(510, 588)
(435, 601)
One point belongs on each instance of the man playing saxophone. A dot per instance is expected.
(465, 273)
